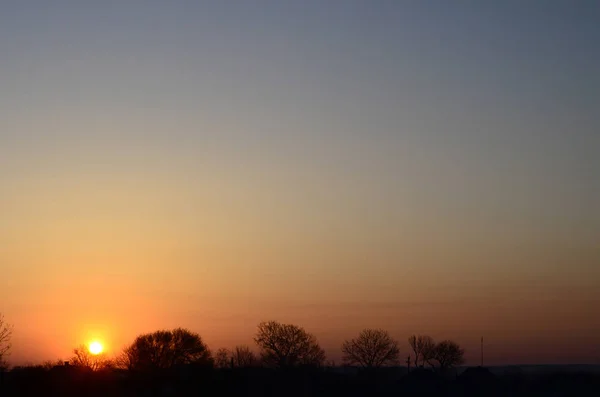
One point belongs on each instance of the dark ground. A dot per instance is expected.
(197, 381)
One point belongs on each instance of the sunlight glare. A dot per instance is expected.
(96, 348)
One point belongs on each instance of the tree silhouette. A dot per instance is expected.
(49, 364)
(423, 348)
(240, 356)
(449, 354)
(287, 345)
(165, 349)
(222, 358)
(5, 336)
(372, 348)
(243, 357)
(83, 358)
(428, 352)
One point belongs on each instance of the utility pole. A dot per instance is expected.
(482, 351)
(408, 363)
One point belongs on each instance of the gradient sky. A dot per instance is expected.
(421, 166)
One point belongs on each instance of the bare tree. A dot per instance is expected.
(423, 348)
(413, 341)
(83, 358)
(287, 345)
(223, 358)
(240, 356)
(372, 348)
(449, 354)
(124, 360)
(428, 352)
(49, 364)
(243, 357)
(5, 336)
(165, 349)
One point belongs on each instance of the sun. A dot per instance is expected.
(96, 348)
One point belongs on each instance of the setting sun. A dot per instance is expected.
(96, 348)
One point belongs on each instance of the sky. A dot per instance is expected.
(419, 166)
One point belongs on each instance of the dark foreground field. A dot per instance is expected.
(198, 381)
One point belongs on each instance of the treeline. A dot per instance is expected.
(288, 362)
(201, 380)
(279, 346)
